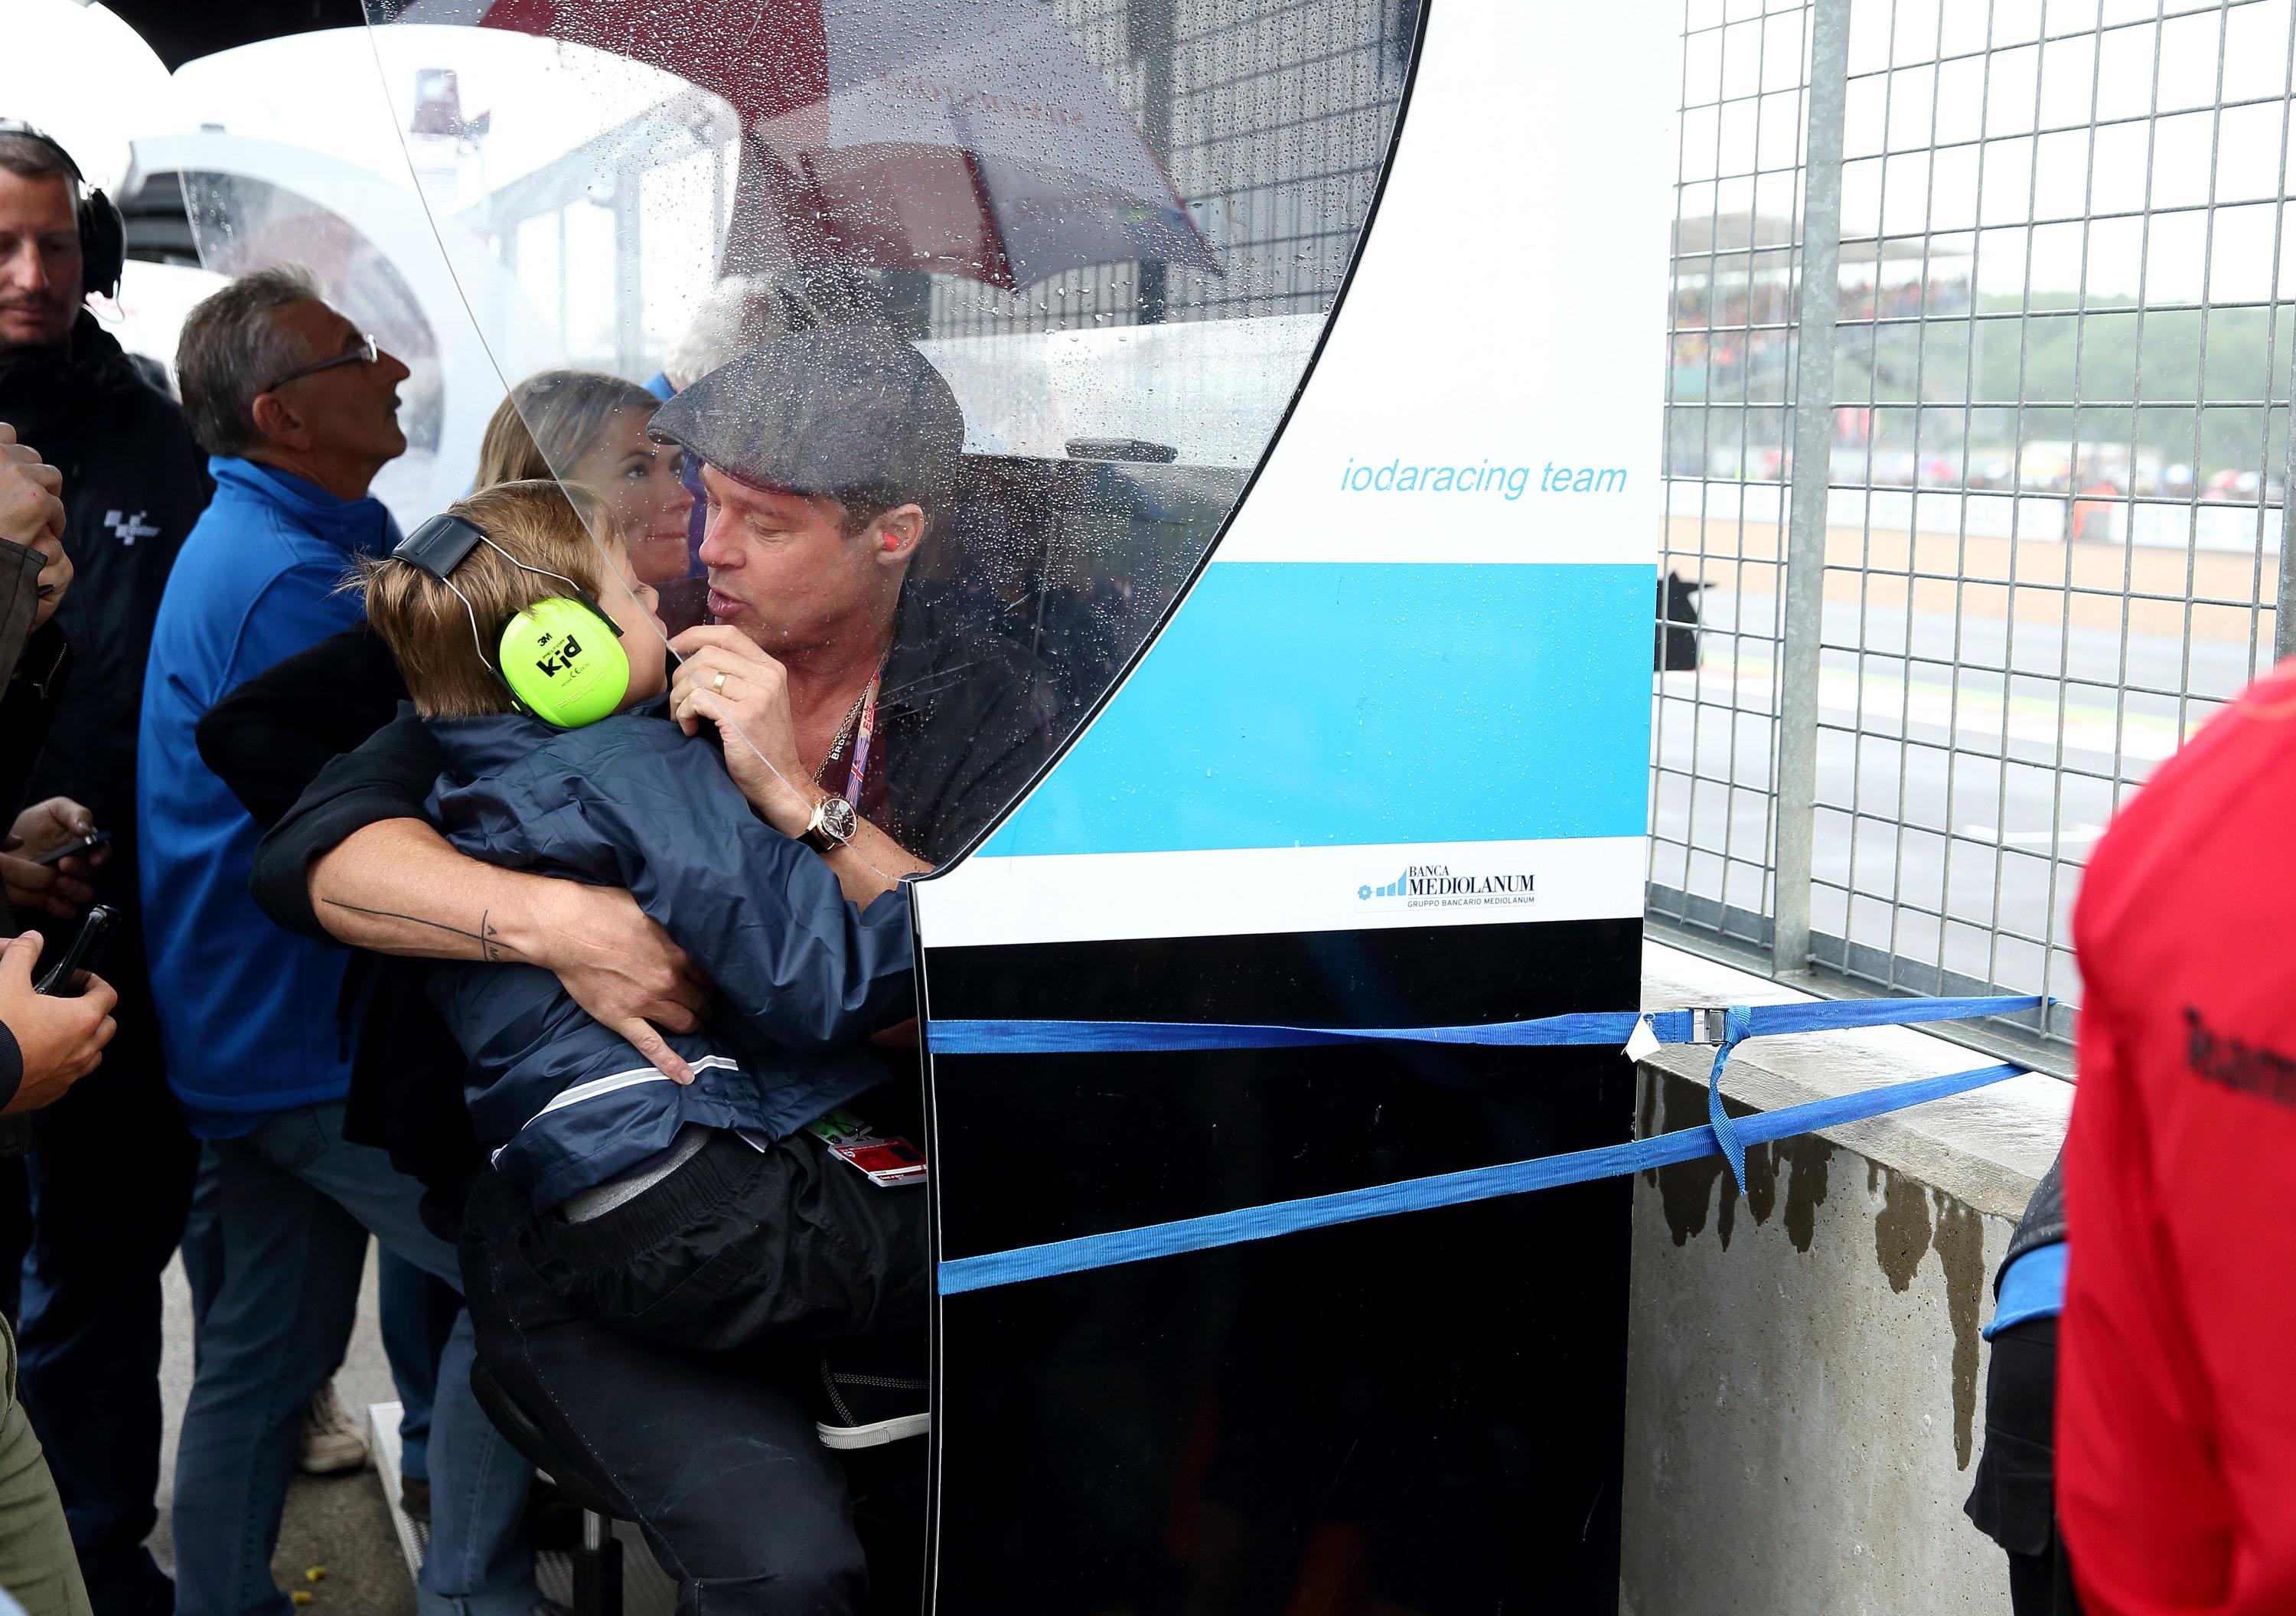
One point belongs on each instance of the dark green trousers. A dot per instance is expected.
(37, 1567)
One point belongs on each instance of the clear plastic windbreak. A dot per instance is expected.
(1047, 275)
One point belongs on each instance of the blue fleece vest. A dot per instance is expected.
(248, 1013)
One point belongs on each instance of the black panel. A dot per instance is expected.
(179, 32)
(1423, 1410)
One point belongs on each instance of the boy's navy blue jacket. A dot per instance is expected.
(803, 977)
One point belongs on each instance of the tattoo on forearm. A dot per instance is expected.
(488, 937)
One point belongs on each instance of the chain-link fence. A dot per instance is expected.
(1977, 441)
(1976, 428)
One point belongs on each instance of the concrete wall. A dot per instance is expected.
(1806, 1380)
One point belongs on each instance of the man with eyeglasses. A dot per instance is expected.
(101, 1196)
(299, 408)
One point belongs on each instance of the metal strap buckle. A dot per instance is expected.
(1710, 1024)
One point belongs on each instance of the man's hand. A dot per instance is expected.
(59, 889)
(62, 1039)
(620, 967)
(394, 886)
(31, 493)
(752, 711)
(32, 514)
(727, 680)
(53, 579)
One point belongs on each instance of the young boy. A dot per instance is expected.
(705, 1214)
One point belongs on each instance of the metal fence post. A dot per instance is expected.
(1817, 307)
(1151, 30)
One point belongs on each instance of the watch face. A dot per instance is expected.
(839, 819)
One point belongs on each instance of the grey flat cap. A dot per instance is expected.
(837, 407)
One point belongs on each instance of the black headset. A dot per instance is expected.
(102, 230)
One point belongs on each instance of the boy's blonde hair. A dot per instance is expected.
(549, 525)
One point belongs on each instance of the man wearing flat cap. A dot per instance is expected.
(827, 457)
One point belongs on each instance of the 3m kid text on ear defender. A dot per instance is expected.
(562, 659)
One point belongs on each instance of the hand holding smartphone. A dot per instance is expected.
(85, 954)
(78, 844)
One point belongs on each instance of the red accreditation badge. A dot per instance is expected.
(889, 1163)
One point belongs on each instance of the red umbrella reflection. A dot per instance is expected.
(967, 137)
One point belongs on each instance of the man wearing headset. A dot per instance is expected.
(110, 1166)
(300, 409)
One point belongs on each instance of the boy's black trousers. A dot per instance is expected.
(714, 1455)
(743, 1251)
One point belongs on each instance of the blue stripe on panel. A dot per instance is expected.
(1343, 704)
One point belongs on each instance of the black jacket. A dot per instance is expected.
(327, 711)
(134, 483)
(2043, 1222)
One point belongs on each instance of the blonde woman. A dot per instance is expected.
(579, 426)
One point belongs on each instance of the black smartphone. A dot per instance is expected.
(86, 953)
(78, 844)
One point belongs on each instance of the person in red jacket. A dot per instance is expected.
(2176, 1400)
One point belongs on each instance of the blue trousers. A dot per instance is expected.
(418, 1311)
(294, 1204)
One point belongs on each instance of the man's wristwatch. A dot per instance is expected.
(832, 826)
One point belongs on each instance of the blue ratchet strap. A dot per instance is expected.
(1141, 1038)
(1737, 1024)
(968, 1038)
(956, 1275)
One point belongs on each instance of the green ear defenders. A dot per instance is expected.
(562, 659)
(559, 667)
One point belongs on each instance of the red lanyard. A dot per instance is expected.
(862, 734)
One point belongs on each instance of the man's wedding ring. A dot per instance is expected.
(718, 685)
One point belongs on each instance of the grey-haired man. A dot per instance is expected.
(300, 409)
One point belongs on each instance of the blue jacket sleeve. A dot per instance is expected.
(762, 915)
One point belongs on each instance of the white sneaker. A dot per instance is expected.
(861, 1410)
(331, 1441)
